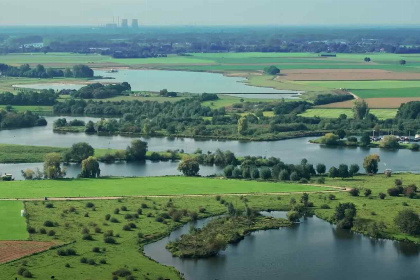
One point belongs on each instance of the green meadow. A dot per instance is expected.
(12, 224)
(381, 114)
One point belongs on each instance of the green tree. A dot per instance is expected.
(228, 170)
(367, 59)
(284, 175)
(90, 168)
(408, 222)
(137, 150)
(370, 163)
(272, 70)
(52, 168)
(330, 139)
(265, 173)
(304, 199)
(389, 142)
(340, 133)
(333, 172)
(360, 109)
(320, 168)
(403, 62)
(81, 151)
(343, 171)
(344, 215)
(82, 71)
(365, 139)
(294, 176)
(189, 167)
(90, 127)
(354, 168)
(243, 125)
(147, 128)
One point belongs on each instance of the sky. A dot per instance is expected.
(212, 12)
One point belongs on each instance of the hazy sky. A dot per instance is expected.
(211, 12)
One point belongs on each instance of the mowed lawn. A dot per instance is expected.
(114, 186)
(381, 114)
(12, 224)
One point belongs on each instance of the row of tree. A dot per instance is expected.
(34, 98)
(25, 70)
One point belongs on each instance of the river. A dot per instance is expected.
(311, 250)
(289, 151)
(178, 81)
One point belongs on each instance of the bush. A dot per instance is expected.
(90, 205)
(394, 192)
(110, 240)
(354, 192)
(123, 208)
(43, 231)
(139, 211)
(293, 216)
(49, 205)
(87, 237)
(331, 197)
(255, 174)
(193, 216)
(201, 209)
(144, 206)
(321, 180)
(107, 217)
(382, 195)
(284, 175)
(126, 227)
(116, 211)
(98, 230)
(408, 222)
(67, 265)
(96, 250)
(128, 216)
(31, 230)
(303, 181)
(368, 192)
(51, 233)
(114, 220)
(122, 272)
(83, 260)
(27, 274)
(325, 206)
(49, 224)
(91, 262)
(102, 261)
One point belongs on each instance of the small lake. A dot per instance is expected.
(311, 250)
(178, 81)
(289, 151)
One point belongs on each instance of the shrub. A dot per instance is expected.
(201, 209)
(354, 192)
(382, 195)
(49, 224)
(128, 216)
(67, 265)
(98, 230)
(321, 180)
(368, 192)
(294, 176)
(49, 205)
(255, 174)
(123, 208)
(51, 233)
(331, 197)
(107, 217)
(265, 173)
(408, 221)
(325, 206)
(139, 211)
(393, 192)
(87, 237)
(126, 227)
(218, 197)
(109, 233)
(293, 216)
(90, 205)
(31, 229)
(91, 262)
(122, 272)
(110, 240)
(159, 219)
(132, 225)
(96, 250)
(83, 260)
(284, 175)
(193, 216)
(102, 261)
(116, 211)
(27, 274)
(303, 181)
(43, 231)
(86, 215)
(114, 220)
(144, 206)
(85, 230)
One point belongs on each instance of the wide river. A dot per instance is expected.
(311, 250)
(178, 81)
(289, 151)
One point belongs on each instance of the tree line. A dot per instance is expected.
(25, 70)
(42, 98)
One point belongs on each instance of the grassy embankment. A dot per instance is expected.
(74, 216)
(358, 144)
(381, 114)
(10, 153)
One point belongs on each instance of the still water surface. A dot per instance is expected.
(311, 250)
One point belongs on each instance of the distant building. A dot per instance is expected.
(124, 23)
(135, 23)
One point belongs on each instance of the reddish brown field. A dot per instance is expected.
(12, 250)
(346, 75)
(374, 103)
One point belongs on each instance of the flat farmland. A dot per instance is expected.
(12, 250)
(374, 103)
(381, 114)
(387, 92)
(13, 225)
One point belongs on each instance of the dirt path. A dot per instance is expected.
(336, 189)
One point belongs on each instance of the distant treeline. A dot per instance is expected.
(322, 99)
(410, 110)
(10, 120)
(42, 98)
(78, 71)
(99, 91)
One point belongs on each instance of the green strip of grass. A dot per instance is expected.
(381, 114)
(388, 92)
(12, 224)
(116, 186)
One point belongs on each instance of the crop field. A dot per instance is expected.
(12, 250)
(114, 186)
(381, 114)
(12, 224)
(374, 103)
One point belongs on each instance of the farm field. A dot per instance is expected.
(374, 103)
(143, 186)
(12, 224)
(387, 93)
(381, 114)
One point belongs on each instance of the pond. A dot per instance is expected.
(313, 249)
(178, 81)
(289, 151)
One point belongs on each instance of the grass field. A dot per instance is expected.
(142, 186)
(388, 92)
(12, 224)
(36, 109)
(381, 114)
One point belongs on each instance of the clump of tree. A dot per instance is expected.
(90, 168)
(370, 163)
(322, 99)
(166, 93)
(52, 168)
(189, 167)
(137, 150)
(344, 215)
(360, 109)
(409, 110)
(208, 97)
(330, 139)
(25, 70)
(79, 71)
(389, 142)
(272, 70)
(408, 222)
(100, 91)
(79, 152)
(34, 98)
(10, 120)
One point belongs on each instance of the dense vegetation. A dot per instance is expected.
(322, 99)
(78, 71)
(99, 91)
(42, 98)
(10, 120)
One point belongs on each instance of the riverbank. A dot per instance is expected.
(344, 143)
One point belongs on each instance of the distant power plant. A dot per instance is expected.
(124, 23)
